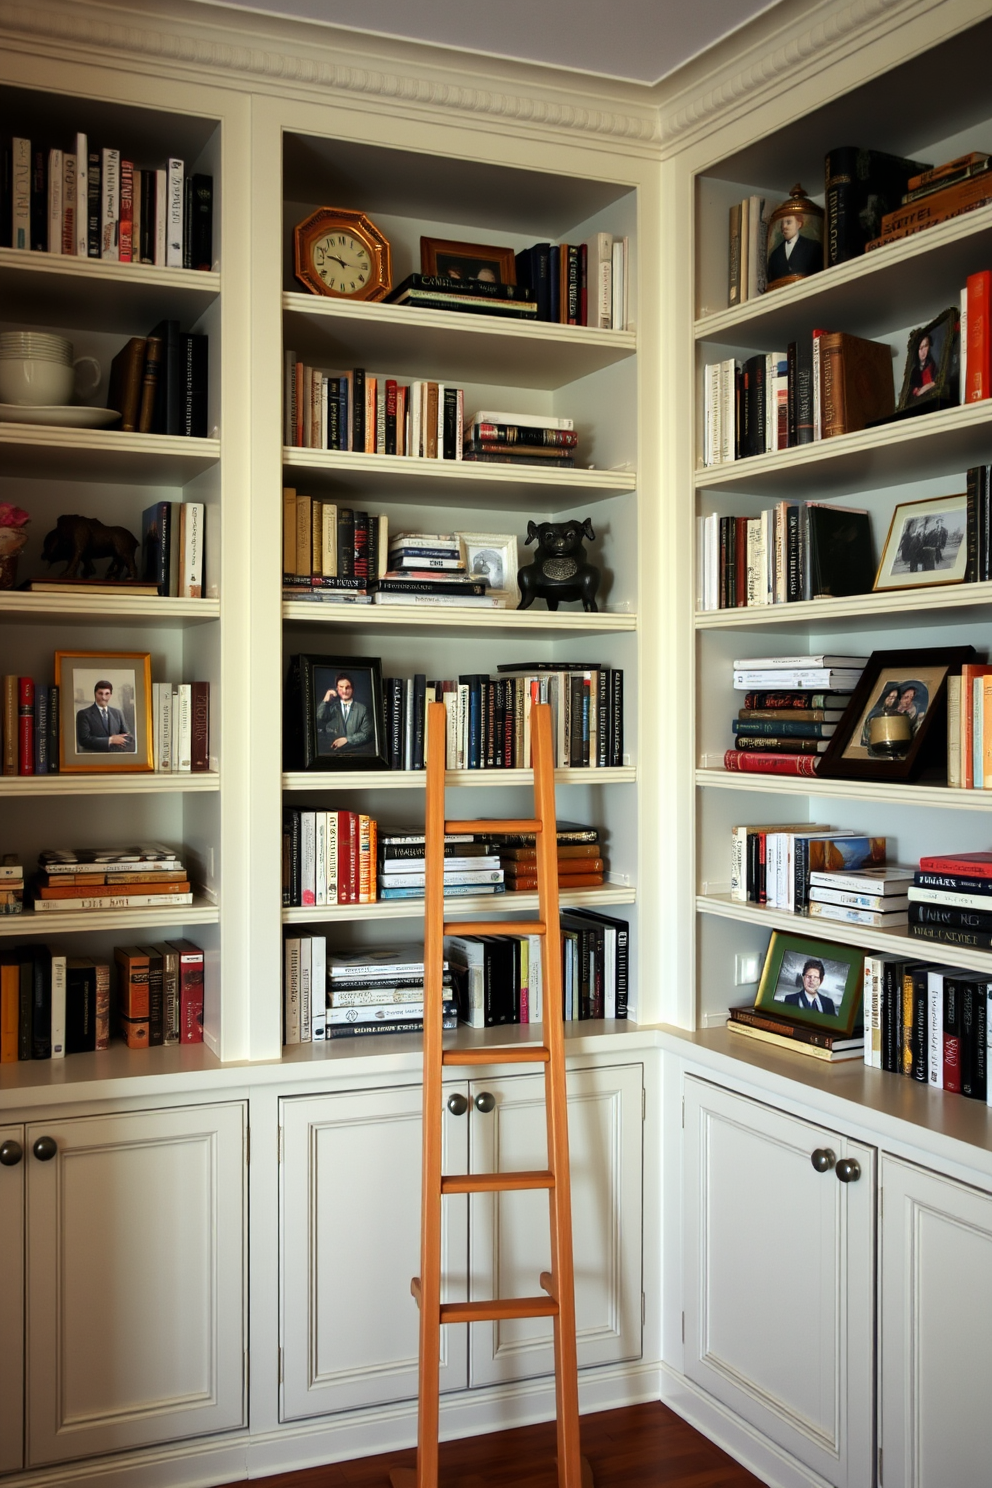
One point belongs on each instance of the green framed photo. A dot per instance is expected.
(812, 981)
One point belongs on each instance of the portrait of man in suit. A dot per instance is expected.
(345, 723)
(797, 253)
(808, 995)
(101, 728)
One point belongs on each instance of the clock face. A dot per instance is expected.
(342, 253)
(342, 262)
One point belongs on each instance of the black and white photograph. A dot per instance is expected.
(932, 364)
(481, 262)
(334, 713)
(491, 558)
(927, 544)
(105, 710)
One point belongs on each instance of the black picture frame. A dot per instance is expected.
(313, 714)
(926, 672)
(941, 366)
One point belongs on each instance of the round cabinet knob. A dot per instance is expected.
(848, 1170)
(485, 1102)
(823, 1159)
(11, 1154)
(45, 1149)
(457, 1105)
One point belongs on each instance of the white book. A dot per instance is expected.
(935, 1028)
(21, 185)
(161, 217)
(408, 722)
(183, 725)
(162, 725)
(439, 430)
(460, 425)
(711, 414)
(418, 880)
(329, 540)
(462, 601)
(798, 663)
(812, 679)
(318, 988)
(610, 971)
(599, 256)
(817, 394)
(320, 858)
(173, 728)
(69, 203)
(880, 902)
(728, 417)
(291, 992)
(757, 235)
(415, 441)
(58, 1006)
(522, 420)
(712, 568)
(963, 387)
(450, 700)
(700, 563)
(55, 185)
(617, 308)
(950, 899)
(331, 832)
(752, 549)
(110, 204)
(867, 1005)
(174, 221)
(308, 857)
(305, 969)
(625, 295)
(191, 520)
(858, 916)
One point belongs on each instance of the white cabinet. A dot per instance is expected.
(779, 1262)
(936, 1329)
(135, 1279)
(509, 1234)
(11, 1297)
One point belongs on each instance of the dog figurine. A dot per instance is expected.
(560, 570)
(76, 541)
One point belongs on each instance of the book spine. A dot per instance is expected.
(191, 970)
(174, 217)
(979, 336)
(25, 726)
(200, 726)
(125, 237)
(41, 731)
(191, 520)
(55, 195)
(110, 203)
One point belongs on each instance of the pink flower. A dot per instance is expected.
(12, 516)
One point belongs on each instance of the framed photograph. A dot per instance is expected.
(334, 714)
(491, 557)
(927, 544)
(932, 365)
(105, 711)
(468, 261)
(895, 724)
(812, 981)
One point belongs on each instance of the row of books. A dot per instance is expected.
(98, 203)
(969, 727)
(950, 900)
(159, 382)
(172, 543)
(782, 866)
(488, 718)
(332, 995)
(52, 1004)
(30, 727)
(146, 876)
(958, 186)
(181, 727)
(322, 540)
(928, 1022)
(791, 707)
(795, 550)
(328, 857)
(582, 284)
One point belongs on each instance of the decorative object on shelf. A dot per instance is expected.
(77, 541)
(334, 714)
(491, 558)
(933, 366)
(927, 544)
(60, 415)
(560, 570)
(13, 520)
(106, 711)
(341, 252)
(37, 369)
(795, 240)
(893, 727)
(813, 982)
(479, 261)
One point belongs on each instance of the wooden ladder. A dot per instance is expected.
(558, 1301)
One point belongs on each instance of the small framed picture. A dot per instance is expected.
(895, 724)
(491, 558)
(468, 261)
(334, 714)
(932, 365)
(927, 544)
(105, 711)
(812, 981)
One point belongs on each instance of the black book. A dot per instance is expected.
(801, 389)
(394, 727)
(198, 217)
(616, 709)
(504, 996)
(972, 509)
(622, 974)
(554, 283)
(969, 995)
(534, 275)
(489, 723)
(39, 200)
(346, 542)
(194, 385)
(25, 960)
(449, 424)
(955, 882)
(80, 1008)
(980, 1053)
(725, 523)
(156, 545)
(499, 721)
(145, 248)
(840, 551)
(753, 407)
(573, 284)
(793, 557)
(292, 890)
(861, 186)
(333, 413)
(891, 1005)
(429, 586)
(156, 996)
(41, 1004)
(442, 284)
(603, 719)
(6, 197)
(976, 940)
(985, 524)
(419, 718)
(360, 539)
(358, 410)
(515, 950)
(168, 417)
(947, 915)
(53, 731)
(94, 202)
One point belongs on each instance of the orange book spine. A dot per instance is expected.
(364, 861)
(9, 1011)
(969, 671)
(987, 733)
(979, 289)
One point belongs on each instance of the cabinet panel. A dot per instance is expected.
(779, 1279)
(936, 1329)
(11, 1306)
(351, 1243)
(135, 1280)
(510, 1242)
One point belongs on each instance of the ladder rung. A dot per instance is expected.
(495, 1182)
(488, 1312)
(547, 1282)
(489, 927)
(503, 1054)
(415, 1289)
(500, 824)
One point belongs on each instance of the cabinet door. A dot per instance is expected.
(11, 1302)
(778, 1274)
(135, 1280)
(936, 1330)
(351, 1244)
(510, 1240)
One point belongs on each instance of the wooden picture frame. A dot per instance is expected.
(908, 691)
(105, 712)
(453, 260)
(797, 966)
(927, 544)
(318, 714)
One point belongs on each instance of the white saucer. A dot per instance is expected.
(67, 415)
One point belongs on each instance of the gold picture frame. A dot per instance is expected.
(104, 731)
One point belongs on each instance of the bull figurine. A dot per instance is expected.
(77, 541)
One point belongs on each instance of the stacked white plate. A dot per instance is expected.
(36, 346)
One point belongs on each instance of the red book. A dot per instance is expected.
(740, 561)
(200, 755)
(979, 291)
(770, 764)
(190, 991)
(25, 726)
(969, 865)
(126, 232)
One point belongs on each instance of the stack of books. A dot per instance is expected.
(861, 187)
(471, 865)
(328, 857)
(801, 1038)
(580, 861)
(928, 1022)
(950, 900)
(467, 296)
(332, 554)
(936, 195)
(795, 550)
(874, 896)
(331, 995)
(371, 415)
(496, 438)
(777, 866)
(29, 729)
(147, 876)
(787, 706)
(428, 568)
(11, 885)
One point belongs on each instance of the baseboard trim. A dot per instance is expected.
(198, 1464)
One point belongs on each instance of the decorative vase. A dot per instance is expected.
(11, 543)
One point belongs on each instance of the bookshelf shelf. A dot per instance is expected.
(44, 452)
(396, 339)
(946, 605)
(939, 796)
(101, 609)
(461, 908)
(909, 450)
(200, 912)
(868, 296)
(111, 783)
(451, 482)
(455, 619)
(334, 781)
(891, 941)
(48, 289)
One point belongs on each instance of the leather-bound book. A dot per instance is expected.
(127, 372)
(856, 382)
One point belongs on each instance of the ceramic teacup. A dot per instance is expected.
(34, 382)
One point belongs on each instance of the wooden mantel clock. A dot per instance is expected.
(342, 253)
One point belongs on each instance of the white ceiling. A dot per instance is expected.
(639, 40)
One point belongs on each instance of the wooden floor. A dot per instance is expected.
(640, 1446)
